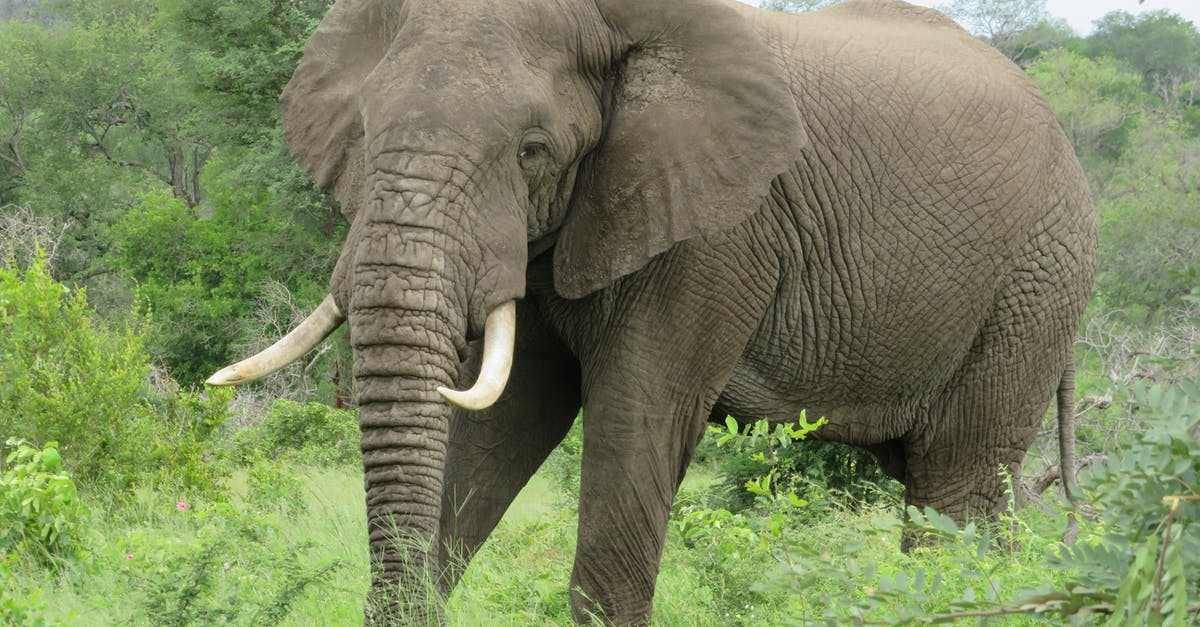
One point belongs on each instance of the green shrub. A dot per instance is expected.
(18, 608)
(39, 507)
(826, 474)
(65, 378)
(230, 567)
(270, 485)
(1142, 568)
(313, 434)
(201, 275)
(731, 547)
(1134, 565)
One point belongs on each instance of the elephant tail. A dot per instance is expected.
(1066, 447)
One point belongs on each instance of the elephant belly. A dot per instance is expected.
(871, 374)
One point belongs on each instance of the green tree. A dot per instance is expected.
(1011, 26)
(1149, 224)
(1163, 47)
(238, 56)
(1096, 101)
(796, 6)
(201, 274)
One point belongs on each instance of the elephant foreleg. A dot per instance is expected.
(651, 383)
(493, 453)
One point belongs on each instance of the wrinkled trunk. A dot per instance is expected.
(406, 328)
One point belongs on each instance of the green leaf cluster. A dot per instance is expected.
(1141, 569)
(311, 433)
(40, 512)
(86, 385)
(780, 461)
(230, 567)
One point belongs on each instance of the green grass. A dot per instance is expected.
(520, 577)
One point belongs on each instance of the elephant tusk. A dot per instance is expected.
(316, 327)
(499, 333)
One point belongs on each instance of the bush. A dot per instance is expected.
(87, 386)
(271, 486)
(40, 510)
(201, 275)
(313, 433)
(229, 567)
(1135, 565)
(1142, 568)
(824, 473)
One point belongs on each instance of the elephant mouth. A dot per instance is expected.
(499, 336)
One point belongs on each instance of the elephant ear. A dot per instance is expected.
(321, 116)
(700, 119)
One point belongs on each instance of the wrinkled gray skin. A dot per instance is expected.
(704, 209)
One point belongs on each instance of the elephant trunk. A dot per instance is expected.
(407, 330)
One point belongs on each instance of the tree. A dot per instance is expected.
(796, 6)
(1096, 102)
(1163, 47)
(1012, 26)
(1149, 225)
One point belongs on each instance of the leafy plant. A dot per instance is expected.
(1135, 567)
(312, 433)
(728, 540)
(233, 568)
(1142, 568)
(87, 386)
(270, 485)
(823, 473)
(39, 506)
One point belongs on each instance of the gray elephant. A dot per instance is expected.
(667, 212)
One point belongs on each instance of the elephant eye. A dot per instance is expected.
(532, 150)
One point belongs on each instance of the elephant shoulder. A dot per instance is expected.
(891, 9)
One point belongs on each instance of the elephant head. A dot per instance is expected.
(461, 137)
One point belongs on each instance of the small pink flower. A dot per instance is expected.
(129, 557)
(181, 505)
(227, 565)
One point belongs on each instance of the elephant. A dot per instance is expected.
(664, 213)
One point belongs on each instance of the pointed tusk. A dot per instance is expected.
(302, 339)
(499, 333)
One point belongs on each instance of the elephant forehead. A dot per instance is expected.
(477, 88)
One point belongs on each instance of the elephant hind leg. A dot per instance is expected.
(981, 424)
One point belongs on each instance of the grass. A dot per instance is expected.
(519, 577)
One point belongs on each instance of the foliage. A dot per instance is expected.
(1148, 495)
(18, 608)
(826, 474)
(239, 56)
(1096, 101)
(1132, 567)
(312, 433)
(200, 275)
(1149, 226)
(229, 568)
(271, 485)
(796, 6)
(67, 379)
(565, 462)
(39, 507)
(122, 103)
(1162, 47)
(727, 537)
